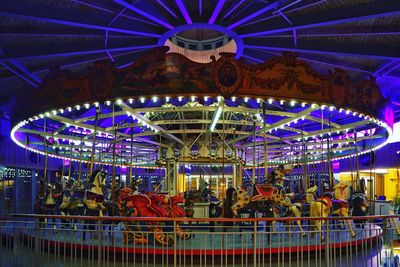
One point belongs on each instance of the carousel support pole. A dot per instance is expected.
(265, 143)
(371, 162)
(70, 162)
(80, 160)
(305, 180)
(352, 172)
(398, 176)
(328, 158)
(94, 141)
(235, 165)
(113, 165)
(131, 160)
(223, 152)
(357, 162)
(62, 174)
(253, 174)
(172, 171)
(46, 156)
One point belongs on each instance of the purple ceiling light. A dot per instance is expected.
(21, 75)
(167, 8)
(216, 12)
(254, 15)
(234, 8)
(144, 14)
(184, 11)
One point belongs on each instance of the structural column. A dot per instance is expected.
(171, 177)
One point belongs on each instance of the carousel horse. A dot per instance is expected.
(261, 201)
(141, 205)
(94, 199)
(325, 206)
(47, 203)
(320, 207)
(291, 211)
(170, 206)
(276, 179)
(72, 202)
(359, 204)
(340, 207)
(272, 192)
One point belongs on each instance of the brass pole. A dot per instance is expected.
(235, 179)
(80, 160)
(328, 158)
(357, 163)
(45, 152)
(131, 160)
(265, 144)
(253, 175)
(113, 165)
(94, 141)
(70, 162)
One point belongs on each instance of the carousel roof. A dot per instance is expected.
(360, 37)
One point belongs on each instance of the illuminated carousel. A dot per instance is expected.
(167, 112)
(165, 109)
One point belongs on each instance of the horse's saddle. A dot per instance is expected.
(326, 201)
(339, 204)
(266, 190)
(95, 197)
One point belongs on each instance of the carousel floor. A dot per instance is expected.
(223, 241)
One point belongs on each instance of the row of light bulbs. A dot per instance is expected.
(193, 98)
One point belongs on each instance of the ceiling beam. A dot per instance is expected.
(144, 14)
(329, 17)
(16, 68)
(254, 15)
(63, 17)
(333, 49)
(46, 52)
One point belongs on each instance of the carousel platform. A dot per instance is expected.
(221, 240)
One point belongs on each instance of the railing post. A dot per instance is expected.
(255, 244)
(327, 241)
(175, 239)
(100, 242)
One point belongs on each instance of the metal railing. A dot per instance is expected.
(38, 240)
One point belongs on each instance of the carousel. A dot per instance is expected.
(211, 130)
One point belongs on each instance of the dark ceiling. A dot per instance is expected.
(360, 36)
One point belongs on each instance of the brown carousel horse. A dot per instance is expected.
(325, 206)
(276, 178)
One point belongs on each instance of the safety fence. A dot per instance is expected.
(39, 240)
